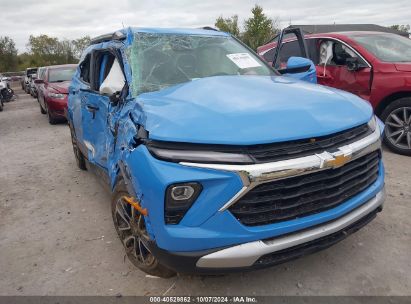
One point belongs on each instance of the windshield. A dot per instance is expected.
(60, 75)
(386, 47)
(162, 60)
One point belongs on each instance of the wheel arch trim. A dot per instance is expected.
(387, 100)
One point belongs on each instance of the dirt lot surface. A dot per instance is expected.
(57, 236)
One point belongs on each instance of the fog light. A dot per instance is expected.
(179, 198)
(180, 193)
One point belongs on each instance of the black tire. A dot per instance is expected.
(1, 106)
(52, 120)
(42, 111)
(129, 217)
(80, 159)
(397, 119)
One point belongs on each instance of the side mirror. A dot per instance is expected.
(300, 68)
(298, 65)
(355, 64)
(352, 64)
(38, 81)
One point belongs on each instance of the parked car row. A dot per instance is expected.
(26, 78)
(49, 85)
(373, 65)
(10, 76)
(6, 92)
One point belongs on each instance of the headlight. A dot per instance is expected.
(372, 124)
(56, 95)
(179, 198)
(197, 156)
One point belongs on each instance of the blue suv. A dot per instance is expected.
(217, 162)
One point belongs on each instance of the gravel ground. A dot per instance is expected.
(57, 236)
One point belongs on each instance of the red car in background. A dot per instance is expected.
(53, 91)
(374, 65)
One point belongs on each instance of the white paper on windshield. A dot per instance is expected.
(243, 60)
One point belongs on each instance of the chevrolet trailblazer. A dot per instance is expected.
(216, 161)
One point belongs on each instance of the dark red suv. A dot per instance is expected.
(374, 65)
(52, 92)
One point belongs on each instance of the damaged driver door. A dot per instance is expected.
(107, 81)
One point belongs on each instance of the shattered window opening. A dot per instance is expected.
(161, 60)
(85, 69)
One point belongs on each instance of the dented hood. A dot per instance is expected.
(246, 110)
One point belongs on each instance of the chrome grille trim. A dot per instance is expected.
(255, 174)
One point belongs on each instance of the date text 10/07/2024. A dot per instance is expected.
(204, 299)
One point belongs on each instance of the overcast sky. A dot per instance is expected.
(76, 18)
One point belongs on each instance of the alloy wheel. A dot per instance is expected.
(132, 231)
(398, 127)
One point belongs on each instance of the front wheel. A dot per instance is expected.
(52, 120)
(80, 159)
(50, 117)
(42, 111)
(131, 228)
(397, 131)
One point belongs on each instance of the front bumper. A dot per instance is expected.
(57, 107)
(208, 226)
(269, 252)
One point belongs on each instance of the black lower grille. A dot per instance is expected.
(315, 245)
(300, 196)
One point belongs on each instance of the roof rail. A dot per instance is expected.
(209, 28)
(108, 37)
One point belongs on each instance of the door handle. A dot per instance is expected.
(92, 109)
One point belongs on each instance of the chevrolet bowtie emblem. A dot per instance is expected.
(338, 161)
(335, 160)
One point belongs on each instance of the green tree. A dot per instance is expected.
(229, 25)
(8, 54)
(50, 50)
(401, 27)
(45, 50)
(259, 28)
(25, 60)
(79, 45)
